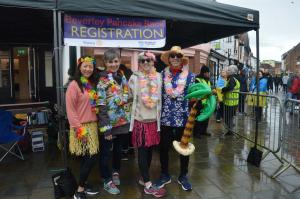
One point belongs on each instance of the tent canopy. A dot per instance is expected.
(189, 22)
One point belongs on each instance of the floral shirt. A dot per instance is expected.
(175, 111)
(114, 101)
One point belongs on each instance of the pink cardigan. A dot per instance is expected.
(78, 106)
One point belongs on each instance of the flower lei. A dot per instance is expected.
(149, 87)
(115, 89)
(92, 93)
(81, 134)
(180, 84)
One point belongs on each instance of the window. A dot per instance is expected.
(4, 69)
(48, 69)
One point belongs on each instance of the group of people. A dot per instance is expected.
(103, 106)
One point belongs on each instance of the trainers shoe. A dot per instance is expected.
(116, 179)
(79, 195)
(162, 181)
(141, 181)
(111, 188)
(89, 190)
(124, 156)
(155, 191)
(185, 185)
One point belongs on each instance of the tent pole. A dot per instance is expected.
(257, 86)
(58, 78)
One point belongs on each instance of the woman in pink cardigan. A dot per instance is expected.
(81, 104)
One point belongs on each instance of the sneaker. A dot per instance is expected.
(162, 181)
(111, 188)
(116, 179)
(185, 185)
(155, 191)
(141, 181)
(89, 190)
(124, 156)
(218, 120)
(79, 195)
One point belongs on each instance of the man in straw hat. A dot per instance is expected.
(176, 79)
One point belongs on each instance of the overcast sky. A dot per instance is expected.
(279, 25)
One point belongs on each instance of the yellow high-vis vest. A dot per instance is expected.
(231, 98)
(201, 80)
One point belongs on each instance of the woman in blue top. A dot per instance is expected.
(263, 87)
(220, 84)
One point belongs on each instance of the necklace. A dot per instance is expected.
(93, 97)
(149, 88)
(115, 89)
(180, 83)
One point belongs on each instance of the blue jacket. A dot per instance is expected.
(263, 85)
(220, 82)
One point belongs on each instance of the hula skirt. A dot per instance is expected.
(80, 148)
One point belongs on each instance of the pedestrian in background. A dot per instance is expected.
(200, 128)
(285, 79)
(231, 97)
(277, 82)
(242, 78)
(220, 84)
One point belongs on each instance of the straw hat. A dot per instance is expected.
(175, 49)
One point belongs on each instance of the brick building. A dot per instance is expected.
(291, 59)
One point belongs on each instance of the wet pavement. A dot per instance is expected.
(217, 170)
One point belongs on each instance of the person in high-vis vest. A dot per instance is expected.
(231, 97)
(200, 128)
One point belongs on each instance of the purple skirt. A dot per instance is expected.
(144, 134)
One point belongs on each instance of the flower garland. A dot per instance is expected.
(92, 93)
(115, 89)
(180, 84)
(81, 134)
(149, 89)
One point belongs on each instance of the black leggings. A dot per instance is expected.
(87, 163)
(144, 161)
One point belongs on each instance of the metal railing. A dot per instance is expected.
(241, 120)
(290, 151)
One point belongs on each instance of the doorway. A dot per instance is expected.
(18, 81)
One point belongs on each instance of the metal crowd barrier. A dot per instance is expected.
(241, 120)
(290, 152)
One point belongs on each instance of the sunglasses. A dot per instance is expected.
(178, 55)
(145, 60)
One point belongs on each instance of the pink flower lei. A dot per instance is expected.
(149, 88)
(180, 84)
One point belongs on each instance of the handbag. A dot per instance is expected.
(64, 183)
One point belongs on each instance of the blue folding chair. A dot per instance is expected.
(8, 137)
